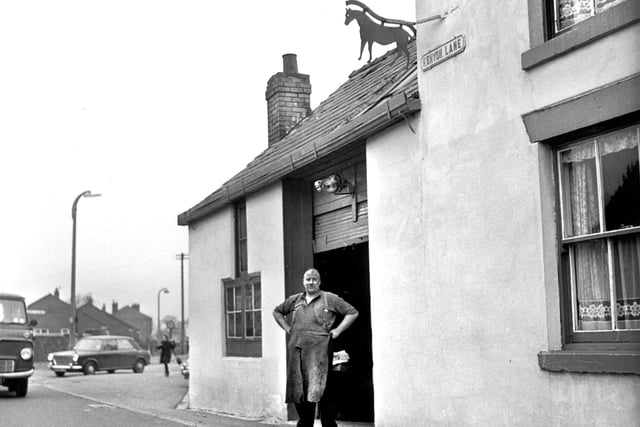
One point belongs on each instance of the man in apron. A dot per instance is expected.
(309, 356)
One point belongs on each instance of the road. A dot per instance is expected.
(119, 399)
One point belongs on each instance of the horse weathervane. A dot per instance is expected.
(371, 31)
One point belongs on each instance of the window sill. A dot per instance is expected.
(593, 362)
(586, 32)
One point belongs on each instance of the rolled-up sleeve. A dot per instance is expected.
(285, 307)
(341, 306)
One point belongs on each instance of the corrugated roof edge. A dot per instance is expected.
(385, 114)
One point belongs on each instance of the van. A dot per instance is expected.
(16, 344)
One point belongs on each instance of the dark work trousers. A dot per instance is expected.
(307, 410)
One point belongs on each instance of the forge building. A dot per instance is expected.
(485, 222)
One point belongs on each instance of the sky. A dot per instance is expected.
(152, 104)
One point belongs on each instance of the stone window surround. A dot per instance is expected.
(583, 33)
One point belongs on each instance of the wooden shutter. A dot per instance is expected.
(342, 219)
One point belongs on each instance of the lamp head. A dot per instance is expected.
(330, 184)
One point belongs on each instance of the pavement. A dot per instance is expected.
(149, 393)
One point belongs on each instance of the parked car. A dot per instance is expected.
(16, 344)
(184, 368)
(100, 353)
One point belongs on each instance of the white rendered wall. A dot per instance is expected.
(242, 386)
(463, 275)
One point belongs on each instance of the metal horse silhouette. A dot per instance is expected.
(371, 31)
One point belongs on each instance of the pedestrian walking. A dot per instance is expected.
(311, 315)
(166, 348)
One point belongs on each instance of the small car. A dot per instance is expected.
(184, 368)
(100, 353)
(16, 344)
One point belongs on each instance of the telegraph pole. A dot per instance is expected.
(182, 256)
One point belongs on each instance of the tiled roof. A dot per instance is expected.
(374, 97)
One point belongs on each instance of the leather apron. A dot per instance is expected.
(308, 354)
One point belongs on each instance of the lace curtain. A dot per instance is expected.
(591, 258)
(570, 12)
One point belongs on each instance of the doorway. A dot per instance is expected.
(345, 272)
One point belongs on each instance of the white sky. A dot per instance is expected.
(153, 104)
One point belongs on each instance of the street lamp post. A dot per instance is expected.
(72, 319)
(166, 291)
(182, 257)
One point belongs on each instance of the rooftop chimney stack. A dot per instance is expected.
(114, 307)
(288, 99)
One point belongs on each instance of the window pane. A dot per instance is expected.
(229, 293)
(231, 326)
(248, 297)
(621, 179)
(626, 265)
(249, 323)
(12, 311)
(602, 5)
(591, 274)
(238, 324)
(258, 323)
(125, 345)
(238, 300)
(580, 190)
(570, 12)
(256, 296)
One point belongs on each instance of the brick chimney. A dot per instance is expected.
(288, 98)
(136, 307)
(114, 307)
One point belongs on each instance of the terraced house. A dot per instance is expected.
(484, 218)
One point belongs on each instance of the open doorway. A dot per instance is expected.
(345, 272)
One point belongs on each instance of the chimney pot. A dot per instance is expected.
(290, 63)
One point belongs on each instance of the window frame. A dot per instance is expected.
(546, 46)
(244, 346)
(552, 21)
(572, 337)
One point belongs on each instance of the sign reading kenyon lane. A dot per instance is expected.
(443, 52)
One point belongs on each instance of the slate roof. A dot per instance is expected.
(374, 97)
(105, 318)
(128, 310)
(89, 316)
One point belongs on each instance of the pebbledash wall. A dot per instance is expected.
(244, 386)
(463, 252)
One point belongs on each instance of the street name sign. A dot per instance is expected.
(445, 51)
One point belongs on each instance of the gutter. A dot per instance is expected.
(249, 181)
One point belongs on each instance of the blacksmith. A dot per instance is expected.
(311, 315)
